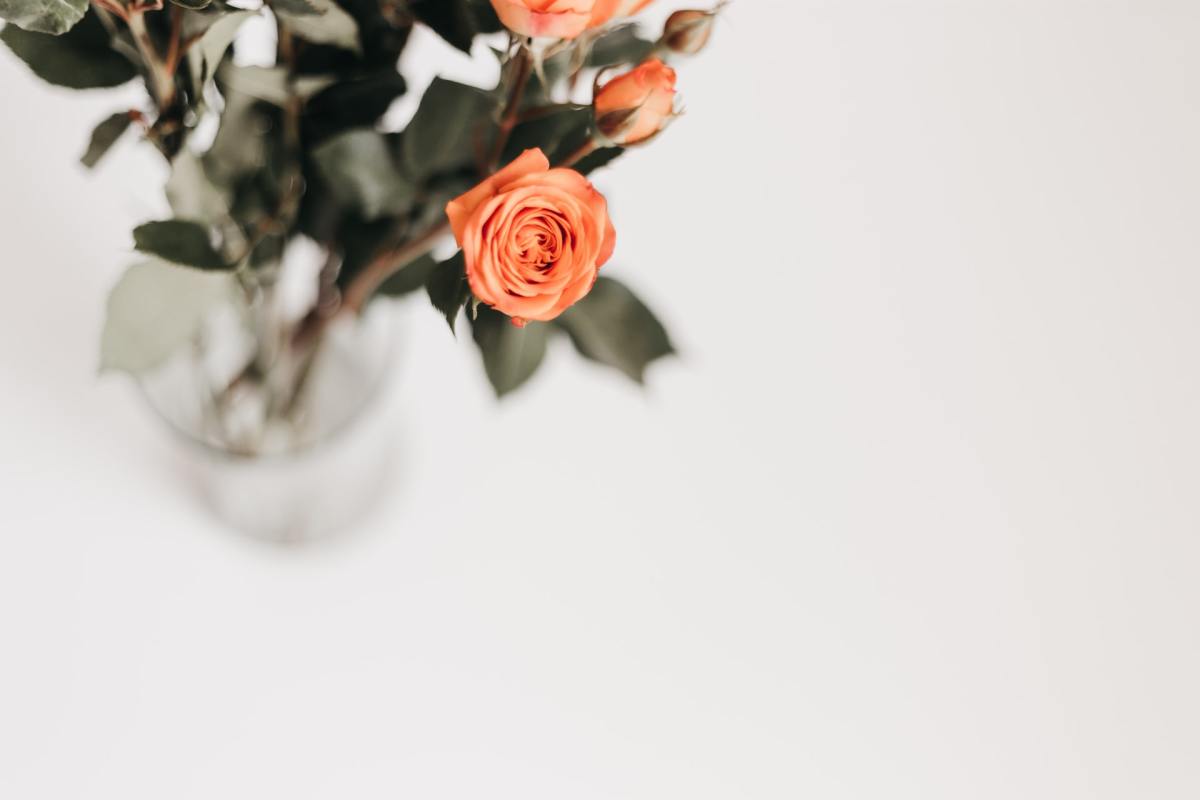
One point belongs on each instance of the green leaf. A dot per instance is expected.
(612, 326)
(619, 46)
(360, 171)
(105, 136)
(446, 133)
(457, 21)
(193, 5)
(331, 25)
(192, 194)
(297, 8)
(54, 17)
(559, 133)
(270, 84)
(412, 277)
(155, 309)
(597, 159)
(79, 59)
(240, 147)
(205, 55)
(448, 289)
(181, 242)
(510, 354)
(348, 104)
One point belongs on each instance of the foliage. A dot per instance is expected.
(300, 152)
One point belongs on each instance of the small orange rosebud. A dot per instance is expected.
(687, 32)
(633, 107)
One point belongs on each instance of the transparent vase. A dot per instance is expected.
(293, 451)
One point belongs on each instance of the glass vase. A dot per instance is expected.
(288, 448)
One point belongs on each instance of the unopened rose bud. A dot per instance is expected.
(687, 32)
(633, 107)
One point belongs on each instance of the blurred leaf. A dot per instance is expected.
(155, 309)
(180, 242)
(555, 68)
(104, 137)
(79, 59)
(297, 8)
(621, 45)
(359, 169)
(445, 133)
(271, 84)
(240, 146)
(559, 134)
(205, 55)
(383, 30)
(510, 354)
(410, 279)
(348, 104)
(612, 326)
(597, 159)
(457, 21)
(54, 17)
(192, 194)
(331, 25)
(193, 5)
(448, 289)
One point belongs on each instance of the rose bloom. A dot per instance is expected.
(560, 19)
(647, 92)
(605, 10)
(533, 237)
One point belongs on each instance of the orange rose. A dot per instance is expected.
(533, 237)
(609, 9)
(559, 19)
(635, 106)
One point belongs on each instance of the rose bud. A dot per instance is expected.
(633, 107)
(687, 32)
(558, 19)
(533, 238)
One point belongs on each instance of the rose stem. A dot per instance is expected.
(162, 82)
(522, 68)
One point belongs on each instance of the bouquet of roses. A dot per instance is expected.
(266, 160)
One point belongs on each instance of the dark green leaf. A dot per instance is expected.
(457, 21)
(619, 46)
(193, 5)
(612, 326)
(180, 242)
(216, 33)
(382, 31)
(359, 169)
(105, 136)
(510, 354)
(54, 17)
(297, 8)
(355, 103)
(409, 279)
(448, 131)
(597, 159)
(331, 25)
(448, 289)
(558, 134)
(79, 59)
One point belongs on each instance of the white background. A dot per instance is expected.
(914, 515)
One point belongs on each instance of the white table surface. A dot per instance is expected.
(914, 516)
